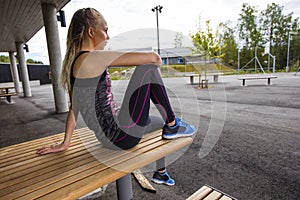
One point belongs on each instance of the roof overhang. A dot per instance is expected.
(20, 20)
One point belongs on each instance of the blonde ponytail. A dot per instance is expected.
(81, 21)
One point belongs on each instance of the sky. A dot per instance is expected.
(132, 24)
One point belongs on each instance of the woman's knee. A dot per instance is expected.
(146, 68)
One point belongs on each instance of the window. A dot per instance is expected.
(180, 60)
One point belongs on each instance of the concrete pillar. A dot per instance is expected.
(14, 72)
(23, 70)
(50, 22)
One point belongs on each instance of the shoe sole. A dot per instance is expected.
(176, 135)
(161, 182)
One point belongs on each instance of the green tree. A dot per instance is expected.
(31, 61)
(4, 59)
(208, 43)
(227, 34)
(249, 32)
(275, 29)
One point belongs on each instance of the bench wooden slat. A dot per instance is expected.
(47, 174)
(20, 169)
(40, 141)
(12, 154)
(213, 196)
(78, 134)
(38, 180)
(111, 174)
(201, 193)
(47, 171)
(73, 178)
(209, 193)
(36, 159)
(225, 198)
(66, 174)
(19, 156)
(20, 152)
(8, 94)
(36, 170)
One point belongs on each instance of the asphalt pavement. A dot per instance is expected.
(247, 143)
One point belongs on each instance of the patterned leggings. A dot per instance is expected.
(145, 84)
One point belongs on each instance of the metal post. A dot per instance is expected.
(269, 62)
(157, 9)
(23, 70)
(288, 53)
(14, 72)
(157, 30)
(239, 60)
(50, 22)
(255, 61)
(274, 64)
(124, 188)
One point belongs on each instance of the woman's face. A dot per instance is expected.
(101, 36)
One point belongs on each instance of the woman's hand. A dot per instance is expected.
(52, 149)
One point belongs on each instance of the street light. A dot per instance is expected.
(157, 9)
(288, 51)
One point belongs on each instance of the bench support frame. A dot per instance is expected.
(124, 188)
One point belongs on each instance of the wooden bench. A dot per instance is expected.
(5, 92)
(76, 172)
(209, 193)
(256, 77)
(203, 83)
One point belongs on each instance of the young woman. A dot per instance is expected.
(85, 76)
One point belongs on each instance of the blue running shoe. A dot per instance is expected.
(162, 178)
(180, 129)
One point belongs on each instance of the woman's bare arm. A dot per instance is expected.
(94, 63)
(136, 58)
(70, 127)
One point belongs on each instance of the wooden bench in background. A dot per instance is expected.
(209, 193)
(256, 77)
(76, 172)
(5, 92)
(215, 76)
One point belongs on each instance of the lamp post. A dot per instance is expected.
(288, 52)
(239, 51)
(157, 9)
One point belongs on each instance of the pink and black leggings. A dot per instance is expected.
(145, 84)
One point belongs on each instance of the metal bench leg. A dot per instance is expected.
(269, 81)
(244, 82)
(216, 77)
(192, 80)
(8, 98)
(124, 188)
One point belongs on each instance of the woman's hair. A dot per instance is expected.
(81, 21)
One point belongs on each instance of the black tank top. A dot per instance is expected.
(92, 97)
